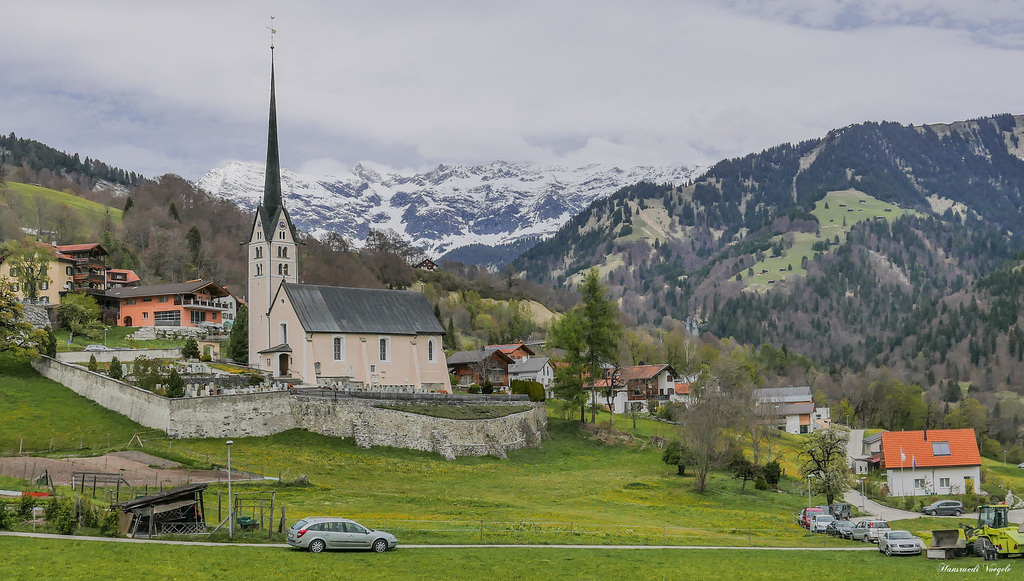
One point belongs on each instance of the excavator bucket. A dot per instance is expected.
(945, 543)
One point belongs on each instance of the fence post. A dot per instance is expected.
(481, 531)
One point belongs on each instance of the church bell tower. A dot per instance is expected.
(271, 251)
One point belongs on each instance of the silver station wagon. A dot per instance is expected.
(320, 533)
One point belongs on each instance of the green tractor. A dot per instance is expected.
(994, 536)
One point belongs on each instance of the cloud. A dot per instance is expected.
(182, 87)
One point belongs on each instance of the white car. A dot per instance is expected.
(820, 522)
(97, 348)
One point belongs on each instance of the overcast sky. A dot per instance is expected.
(182, 87)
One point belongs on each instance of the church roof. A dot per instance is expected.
(336, 309)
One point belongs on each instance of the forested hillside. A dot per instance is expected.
(877, 247)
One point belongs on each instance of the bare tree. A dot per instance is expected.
(721, 395)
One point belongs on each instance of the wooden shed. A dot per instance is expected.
(177, 511)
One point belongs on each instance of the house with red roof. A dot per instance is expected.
(517, 351)
(924, 462)
(122, 277)
(635, 386)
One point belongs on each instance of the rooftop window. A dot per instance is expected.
(941, 448)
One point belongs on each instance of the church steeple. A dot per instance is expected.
(272, 201)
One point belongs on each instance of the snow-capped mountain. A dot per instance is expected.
(443, 209)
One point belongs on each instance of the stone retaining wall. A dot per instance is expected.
(271, 412)
(123, 355)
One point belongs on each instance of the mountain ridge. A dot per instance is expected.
(448, 207)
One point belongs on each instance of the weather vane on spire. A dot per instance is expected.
(273, 31)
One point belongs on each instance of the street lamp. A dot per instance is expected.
(231, 505)
(105, 335)
(863, 496)
(809, 490)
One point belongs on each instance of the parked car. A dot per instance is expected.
(870, 530)
(840, 529)
(840, 510)
(944, 508)
(899, 543)
(820, 521)
(319, 533)
(804, 519)
(95, 347)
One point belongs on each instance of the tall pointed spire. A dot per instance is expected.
(272, 201)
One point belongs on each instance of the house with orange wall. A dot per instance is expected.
(518, 351)
(184, 304)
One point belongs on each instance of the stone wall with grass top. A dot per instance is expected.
(272, 412)
(375, 426)
(139, 405)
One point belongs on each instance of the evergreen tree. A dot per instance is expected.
(191, 349)
(175, 386)
(49, 345)
(115, 371)
(451, 341)
(590, 335)
(238, 348)
(128, 205)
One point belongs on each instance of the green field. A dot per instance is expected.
(35, 559)
(115, 337)
(87, 210)
(845, 209)
(37, 409)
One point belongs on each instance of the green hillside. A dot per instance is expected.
(24, 195)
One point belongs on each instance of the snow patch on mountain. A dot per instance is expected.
(442, 209)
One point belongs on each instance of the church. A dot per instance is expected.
(356, 338)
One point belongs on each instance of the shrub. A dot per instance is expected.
(25, 506)
(92, 366)
(255, 379)
(671, 410)
(115, 371)
(532, 388)
(206, 358)
(772, 473)
(191, 349)
(60, 515)
(991, 449)
(487, 387)
(109, 523)
(90, 518)
(474, 389)
(761, 483)
(6, 517)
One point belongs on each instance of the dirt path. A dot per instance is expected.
(138, 468)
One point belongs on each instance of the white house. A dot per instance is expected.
(537, 369)
(793, 408)
(931, 462)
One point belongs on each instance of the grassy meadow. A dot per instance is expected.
(37, 409)
(89, 211)
(845, 209)
(33, 559)
(115, 337)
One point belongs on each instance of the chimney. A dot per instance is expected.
(926, 434)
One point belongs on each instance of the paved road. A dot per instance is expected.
(872, 508)
(854, 446)
(280, 546)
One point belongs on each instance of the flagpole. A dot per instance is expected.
(903, 481)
